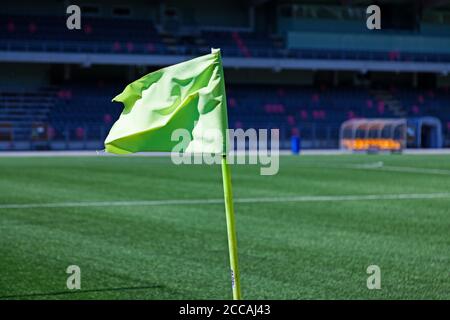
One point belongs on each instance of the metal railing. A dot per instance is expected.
(228, 50)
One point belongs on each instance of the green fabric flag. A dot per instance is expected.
(189, 95)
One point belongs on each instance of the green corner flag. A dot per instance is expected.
(191, 96)
(188, 95)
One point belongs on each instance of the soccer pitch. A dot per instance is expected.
(143, 228)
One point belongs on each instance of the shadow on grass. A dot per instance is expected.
(59, 293)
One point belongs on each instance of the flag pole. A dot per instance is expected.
(231, 229)
(229, 209)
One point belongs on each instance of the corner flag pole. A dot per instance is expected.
(232, 241)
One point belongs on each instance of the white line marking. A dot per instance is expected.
(416, 170)
(369, 197)
(372, 165)
(381, 167)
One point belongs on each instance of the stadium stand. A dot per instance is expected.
(20, 111)
(73, 110)
(83, 113)
(41, 33)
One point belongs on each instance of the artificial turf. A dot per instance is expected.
(287, 250)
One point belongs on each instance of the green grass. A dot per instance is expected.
(287, 250)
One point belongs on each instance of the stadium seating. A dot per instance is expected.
(84, 112)
(44, 33)
(98, 35)
(21, 110)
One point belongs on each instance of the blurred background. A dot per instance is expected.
(305, 67)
